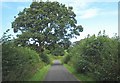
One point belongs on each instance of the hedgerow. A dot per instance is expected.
(19, 63)
(97, 55)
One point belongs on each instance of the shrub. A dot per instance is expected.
(19, 63)
(108, 69)
(45, 58)
(66, 59)
(82, 66)
(96, 55)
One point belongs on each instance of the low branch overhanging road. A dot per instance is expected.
(58, 72)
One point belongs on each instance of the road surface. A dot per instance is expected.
(58, 72)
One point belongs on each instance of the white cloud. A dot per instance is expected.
(89, 13)
(78, 4)
(109, 13)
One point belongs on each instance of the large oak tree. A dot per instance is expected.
(47, 24)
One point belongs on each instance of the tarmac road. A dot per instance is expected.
(58, 72)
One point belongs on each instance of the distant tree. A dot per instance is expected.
(6, 37)
(46, 24)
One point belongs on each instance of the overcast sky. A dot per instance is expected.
(93, 15)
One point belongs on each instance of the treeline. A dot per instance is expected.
(96, 56)
(20, 63)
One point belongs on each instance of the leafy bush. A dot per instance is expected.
(82, 66)
(45, 58)
(66, 57)
(96, 55)
(19, 63)
(108, 68)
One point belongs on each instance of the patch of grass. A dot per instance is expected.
(40, 74)
(81, 77)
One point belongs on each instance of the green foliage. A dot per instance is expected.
(96, 55)
(5, 37)
(46, 24)
(66, 57)
(58, 51)
(82, 66)
(19, 63)
(40, 74)
(45, 58)
(84, 78)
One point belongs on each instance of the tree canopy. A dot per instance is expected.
(46, 24)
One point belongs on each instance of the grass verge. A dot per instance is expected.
(40, 74)
(82, 77)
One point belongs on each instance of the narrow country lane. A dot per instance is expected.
(59, 73)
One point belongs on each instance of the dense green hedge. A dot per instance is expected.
(96, 55)
(19, 63)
